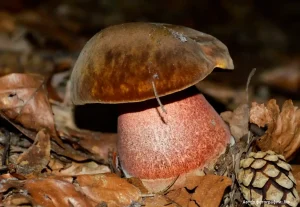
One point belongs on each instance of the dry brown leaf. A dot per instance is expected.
(158, 200)
(180, 197)
(8, 183)
(97, 143)
(5, 176)
(47, 192)
(56, 164)
(72, 153)
(108, 188)
(82, 168)
(52, 192)
(36, 158)
(193, 204)
(286, 77)
(209, 189)
(23, 100)
(261, 115)
(283, 134)
(67, 151)
(17, 200)
(138, 183)
(238, 120)
(205, 191)
(296, 174)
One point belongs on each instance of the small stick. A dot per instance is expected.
(147, 195)
(169, 186)
(157, 98)
(248, 83)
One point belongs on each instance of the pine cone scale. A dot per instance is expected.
(266, 179)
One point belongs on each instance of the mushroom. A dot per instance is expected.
(132, 64)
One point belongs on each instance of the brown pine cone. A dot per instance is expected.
(266, 179)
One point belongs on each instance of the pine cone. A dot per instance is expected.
(266, 179)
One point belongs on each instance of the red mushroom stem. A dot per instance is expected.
(157, 145)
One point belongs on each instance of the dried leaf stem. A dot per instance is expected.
(157, 97)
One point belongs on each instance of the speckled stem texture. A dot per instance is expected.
(153, 144)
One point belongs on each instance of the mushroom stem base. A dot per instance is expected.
(157, 145)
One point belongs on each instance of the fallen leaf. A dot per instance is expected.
(56, 164)
(46, 192)
(108, 188)
(23, 100)
(209, 189)
(138, 183)
(97, 143)
(17, 200)
(9, 183)
(6, 176)
(67, 151)
(205, 191)
(158, 200)
(82, 168)
(261, 115)
(70, 152)
(180, 197)
(285, 77)
(52, 192)
(283, 134)
(296, 174)
(238, 120)
(36, 158)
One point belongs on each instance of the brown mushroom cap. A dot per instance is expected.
(120, 63)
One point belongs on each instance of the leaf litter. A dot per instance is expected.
(27, 162)
(74, 165)
(283, 127)
(77, 172)
(23, 98)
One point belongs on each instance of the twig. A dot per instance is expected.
(157, 98)
(147, 195)
(169, 186)
(248, 83)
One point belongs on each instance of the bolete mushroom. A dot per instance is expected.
(132, 64)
